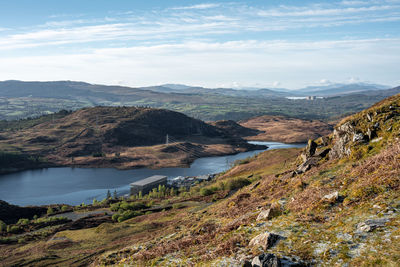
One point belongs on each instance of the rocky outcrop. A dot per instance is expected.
(342, 136)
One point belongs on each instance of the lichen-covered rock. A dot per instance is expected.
(271, 260)
(371, 225)
(265, 240)
(342, 135)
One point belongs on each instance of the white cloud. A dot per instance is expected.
(199, 6)
(212, 64)
(299, 12)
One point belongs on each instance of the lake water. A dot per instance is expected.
(76, 185)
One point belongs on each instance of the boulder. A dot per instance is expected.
(332, 197)
(369, 117)
(266, 260)
(371, 225)
(271, 260)
(265, 240)
(270, 213)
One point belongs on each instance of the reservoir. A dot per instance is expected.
(76, 185)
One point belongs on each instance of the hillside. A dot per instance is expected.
(123, 137)
(20, 99)
(336, 202)
(286, 130)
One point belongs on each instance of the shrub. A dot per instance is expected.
(64, 208)
(49, 219)
(13, 229)
(237, 183)
(128, 215)
(50, 210)
(3, 226)
(206, 192)
(23, 221)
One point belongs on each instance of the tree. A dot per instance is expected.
(108, 194)
(50, 210)
(3, 226)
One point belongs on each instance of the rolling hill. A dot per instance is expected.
(122, 137)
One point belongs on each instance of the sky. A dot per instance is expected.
(273, 44)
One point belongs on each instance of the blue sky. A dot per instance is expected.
(208, 43)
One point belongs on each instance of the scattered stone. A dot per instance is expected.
(369, 117)
(389, 129)
(371, 225)
(332, 197)
(265, 240)
(376, 125)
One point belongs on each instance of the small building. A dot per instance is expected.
(146, 185)
(312, 97)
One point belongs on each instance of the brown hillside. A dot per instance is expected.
(124, 137)
(286, 130)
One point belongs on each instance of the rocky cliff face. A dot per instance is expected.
(374, 124)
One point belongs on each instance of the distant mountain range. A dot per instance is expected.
(321, 91)
(19, 99)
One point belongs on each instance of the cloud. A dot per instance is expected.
(210, 64)
(199, 6)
